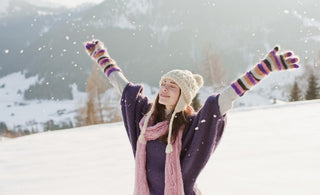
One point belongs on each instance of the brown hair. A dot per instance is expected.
(181, 118)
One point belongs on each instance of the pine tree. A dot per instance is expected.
(196, 103)
(313, 89)
(3, 128)
(295, 94)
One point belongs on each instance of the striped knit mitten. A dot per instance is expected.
(99, 54)
(272, 62)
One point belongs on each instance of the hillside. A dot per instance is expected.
(153, 34)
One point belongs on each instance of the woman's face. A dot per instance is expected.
(169, 93)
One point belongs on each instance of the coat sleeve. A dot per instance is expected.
(118, 81)
(202, 136)
(226, 99)
(134, 105)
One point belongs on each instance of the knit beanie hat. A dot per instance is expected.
(189, 85)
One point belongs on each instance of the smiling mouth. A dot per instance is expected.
(164, 96)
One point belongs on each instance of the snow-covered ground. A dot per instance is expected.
(265, 150)
(16, 111)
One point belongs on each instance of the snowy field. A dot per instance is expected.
(265, 150)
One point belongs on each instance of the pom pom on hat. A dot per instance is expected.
(198, 79)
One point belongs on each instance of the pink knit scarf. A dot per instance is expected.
(173, 175)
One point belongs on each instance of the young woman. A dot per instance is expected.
(170, 142)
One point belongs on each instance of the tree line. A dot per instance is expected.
(311, 76)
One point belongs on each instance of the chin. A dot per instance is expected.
(161, 102)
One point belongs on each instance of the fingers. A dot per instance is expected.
(292, 62)
(90, 46)
(93, 46)
(287, 60)
(275, 50)
(288, 54)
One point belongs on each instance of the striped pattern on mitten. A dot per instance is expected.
(272, 62)
(99, 54)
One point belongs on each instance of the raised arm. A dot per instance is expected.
(99, 54)
(272, 62)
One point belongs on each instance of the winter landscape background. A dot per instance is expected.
(44, 69)
(270, 146)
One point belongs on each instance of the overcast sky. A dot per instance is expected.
(51, 3)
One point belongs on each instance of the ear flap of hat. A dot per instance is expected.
(181, 104)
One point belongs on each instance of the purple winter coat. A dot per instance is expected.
(199, 140)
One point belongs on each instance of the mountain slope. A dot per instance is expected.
(148, 37)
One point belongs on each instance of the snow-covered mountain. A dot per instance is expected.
(43, 43)
(264, 150)
(47, 41)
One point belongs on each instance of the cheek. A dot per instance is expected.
(176, 95)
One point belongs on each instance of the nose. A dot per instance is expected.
(164, 88)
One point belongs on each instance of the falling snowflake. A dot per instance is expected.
(197, 128)
(203, 121)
